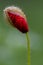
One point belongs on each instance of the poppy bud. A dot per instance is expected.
(16, 18)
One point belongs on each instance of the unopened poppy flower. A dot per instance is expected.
(16, 18)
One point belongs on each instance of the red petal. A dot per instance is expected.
(19, 22)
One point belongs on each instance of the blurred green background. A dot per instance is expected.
(13, 44)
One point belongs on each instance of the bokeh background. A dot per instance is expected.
(13, 44)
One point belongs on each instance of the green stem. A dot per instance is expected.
(28, 47)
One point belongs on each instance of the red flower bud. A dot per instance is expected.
(17, 20)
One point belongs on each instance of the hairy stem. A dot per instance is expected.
(28, 48)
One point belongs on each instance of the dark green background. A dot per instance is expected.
(13, 49)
